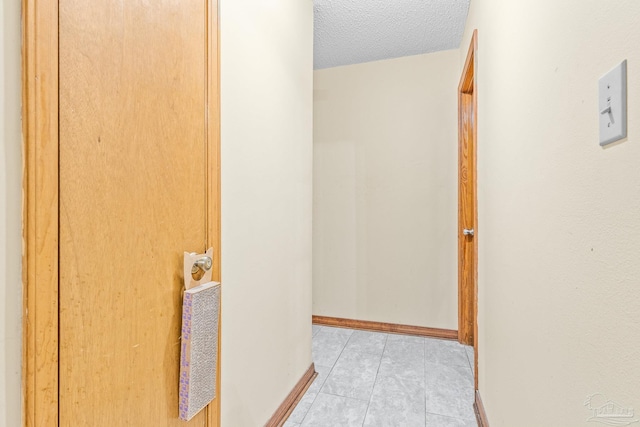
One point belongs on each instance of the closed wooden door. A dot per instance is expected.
(134, 132)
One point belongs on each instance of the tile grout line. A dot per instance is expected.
(338, 358)
(328, 375)
(313, 334)
(469, 360)
(453, 366)
(425, 381)
(386, 338)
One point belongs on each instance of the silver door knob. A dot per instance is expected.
(201, 266)
(468, 232)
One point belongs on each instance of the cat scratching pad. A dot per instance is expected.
(199, 348)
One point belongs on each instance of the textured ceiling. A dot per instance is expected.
(354, 31)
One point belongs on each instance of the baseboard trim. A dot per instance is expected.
(447, 334)
(481, 415)
(292, 399)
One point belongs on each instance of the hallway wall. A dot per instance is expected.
(266, 97)
(10, 215)
(558, 231)
(385, 191)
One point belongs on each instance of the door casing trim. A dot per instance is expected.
(40, 204)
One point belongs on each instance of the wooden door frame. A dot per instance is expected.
(40, 205)
(468, 297)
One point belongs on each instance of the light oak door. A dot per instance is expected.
(134, 80)
(466, 221)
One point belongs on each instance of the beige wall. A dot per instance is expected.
(266, 66)
(385, 195)
(10, 211)
(559, 236)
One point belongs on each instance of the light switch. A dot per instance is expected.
(612, 104)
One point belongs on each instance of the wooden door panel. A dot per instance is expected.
(133, 83)
(466, 218)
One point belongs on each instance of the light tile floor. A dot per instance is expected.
(370, 379)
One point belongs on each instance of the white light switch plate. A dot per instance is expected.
(612, 104)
